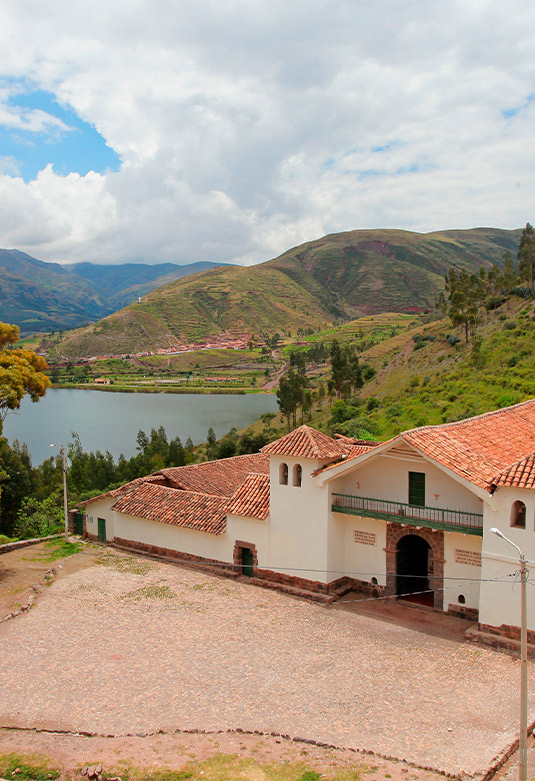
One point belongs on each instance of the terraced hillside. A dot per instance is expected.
(333, 279)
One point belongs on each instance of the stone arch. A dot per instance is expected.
(435, 540)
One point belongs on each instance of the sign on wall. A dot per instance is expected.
(467, 557)
(364, 538)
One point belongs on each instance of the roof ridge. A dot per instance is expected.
(512, 465)
(177, 491)
(459, 423)
(205, 463)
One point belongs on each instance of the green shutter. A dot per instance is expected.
(102, 530)
(417, 489)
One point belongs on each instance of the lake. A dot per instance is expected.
(111, 421)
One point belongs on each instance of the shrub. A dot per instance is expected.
(522, 292)
(452, 339)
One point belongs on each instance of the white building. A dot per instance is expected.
(410, 516)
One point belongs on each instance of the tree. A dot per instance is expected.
(21, 372)
(211, 441)
(526, 255)
(464, 298)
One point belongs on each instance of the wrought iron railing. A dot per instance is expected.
(431, 517)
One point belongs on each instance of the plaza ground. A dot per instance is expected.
(121, 645)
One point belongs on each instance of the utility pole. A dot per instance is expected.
(523, 738)
(65, 506)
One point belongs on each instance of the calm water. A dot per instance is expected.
(110, 421)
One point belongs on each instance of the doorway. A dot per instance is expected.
(414, 570)
(247, 560)
(102, 530)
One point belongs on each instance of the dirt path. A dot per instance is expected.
(26, 567)
(200, 754)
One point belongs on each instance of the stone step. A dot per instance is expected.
(499, 642)
(284, 588)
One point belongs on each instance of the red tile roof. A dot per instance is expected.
(519, 475)
(478, 448)
(485, 449)
(216, 478)
(156, 479)
(176, 508)
(251, 500)
(305, 442)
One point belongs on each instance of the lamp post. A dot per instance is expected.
(65, 510)
(523, 739)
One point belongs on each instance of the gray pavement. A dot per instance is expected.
(135, 646)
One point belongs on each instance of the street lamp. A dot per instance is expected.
(523, 739)
(65, 510)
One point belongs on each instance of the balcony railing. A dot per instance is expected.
(399, 512)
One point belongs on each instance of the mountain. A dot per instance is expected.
(40, 296)
(337, 277)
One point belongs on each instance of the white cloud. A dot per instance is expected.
(245, 128)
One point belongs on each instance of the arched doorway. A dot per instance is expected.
(414, 570)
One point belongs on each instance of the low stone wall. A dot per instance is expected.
(10, 546)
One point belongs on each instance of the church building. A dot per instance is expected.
(408, 518)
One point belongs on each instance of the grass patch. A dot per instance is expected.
(54, 550)
(60, 549)
(126, 564)
(231, 767)
(152, 591)
(31, 767)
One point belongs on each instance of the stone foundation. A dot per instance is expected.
(461, 611)
(335, 587)
(507, 631)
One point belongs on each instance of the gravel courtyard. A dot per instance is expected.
(131, 646)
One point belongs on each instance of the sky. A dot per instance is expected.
(231, 130)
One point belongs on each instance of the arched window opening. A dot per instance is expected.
(297, 474)
(283, 474)
(461, 599)
(518, 515)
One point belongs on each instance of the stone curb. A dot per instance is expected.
(36, 589)
(462, 776)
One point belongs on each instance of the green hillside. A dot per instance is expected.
(43, 297)
(337, 278)
(424, 376)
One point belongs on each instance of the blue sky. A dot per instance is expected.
(75, 147)
(200, 130)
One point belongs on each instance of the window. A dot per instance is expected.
(417, 489)
(283, 474)
(518, 515)
(297, 474)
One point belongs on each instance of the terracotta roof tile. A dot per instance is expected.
(156, 478)
(305, 442)
(518, 475)
(481, 447)
(251, 500)
(176, 508)
(216, 478)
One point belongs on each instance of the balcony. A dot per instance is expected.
(399, 512)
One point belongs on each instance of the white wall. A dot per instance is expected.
(298, 520)
(500, 601)
(100, 509)
(362, 560)
(388, 478)
(198, 543)
(461, 570)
